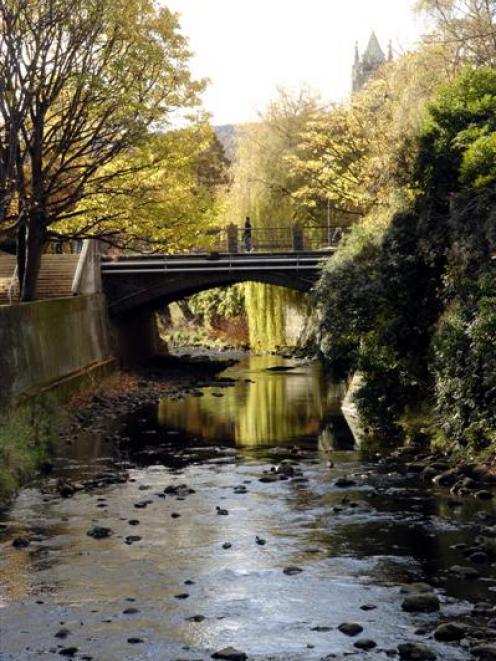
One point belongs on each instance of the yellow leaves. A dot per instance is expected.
(157, 197)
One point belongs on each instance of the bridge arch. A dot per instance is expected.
(131, 295)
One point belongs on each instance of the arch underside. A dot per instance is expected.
(126, 294)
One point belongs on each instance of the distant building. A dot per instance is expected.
(365, 67)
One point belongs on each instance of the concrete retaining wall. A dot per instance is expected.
(46, 342)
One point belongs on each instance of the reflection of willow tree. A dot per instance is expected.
(275, 409)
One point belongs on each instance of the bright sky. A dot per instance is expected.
(249, 47)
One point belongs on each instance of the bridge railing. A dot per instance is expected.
(289, 238)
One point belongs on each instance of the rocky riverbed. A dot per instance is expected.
(236, 520)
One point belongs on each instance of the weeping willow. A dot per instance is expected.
(269, 309)
(262, 185)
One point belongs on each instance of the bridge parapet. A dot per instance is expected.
(290, 238)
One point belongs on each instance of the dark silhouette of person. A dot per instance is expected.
(247, 242)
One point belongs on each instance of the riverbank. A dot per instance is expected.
(30, 433)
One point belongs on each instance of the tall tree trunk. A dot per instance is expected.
(35, 242)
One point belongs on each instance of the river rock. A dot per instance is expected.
(62, 633)
(465, 572)
(142, 504)
(178, 490)
(292, 571)
(447, 478)
(450, 631)
(99, 532)
(196, 618)
(416, 467)
(429, 473)
(479, 557)
(344, 483)
(416, 588)
(350, 628)
(20, 542)
(368, 607)
(69, 651)
(483, 494)
(65, 488)
(485, 652)
(365, 644)
(131, 539)
(230, 654)
(415, 652)
(421, 603)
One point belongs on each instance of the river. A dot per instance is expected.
(183, 574)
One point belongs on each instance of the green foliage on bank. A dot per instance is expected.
(412, 306)
(27, 438)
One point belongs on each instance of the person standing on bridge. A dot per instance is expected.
(247, 242)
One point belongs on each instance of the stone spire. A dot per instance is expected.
(390, 52)
(374, 54)
(372, 59)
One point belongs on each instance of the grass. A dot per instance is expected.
(27, 437)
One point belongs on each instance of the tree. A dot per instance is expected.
(81, 84)
(355, 158)
(468, 27)
(457, 143)
(166, 196)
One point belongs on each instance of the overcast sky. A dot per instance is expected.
(249, 47)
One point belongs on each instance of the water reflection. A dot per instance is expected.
(264, 407)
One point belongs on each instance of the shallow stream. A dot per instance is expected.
(199, 579)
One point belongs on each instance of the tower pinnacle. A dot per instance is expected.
(372, 59)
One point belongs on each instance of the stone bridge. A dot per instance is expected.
(136, 286)
(134, 282)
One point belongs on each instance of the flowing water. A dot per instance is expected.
(197, 580)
